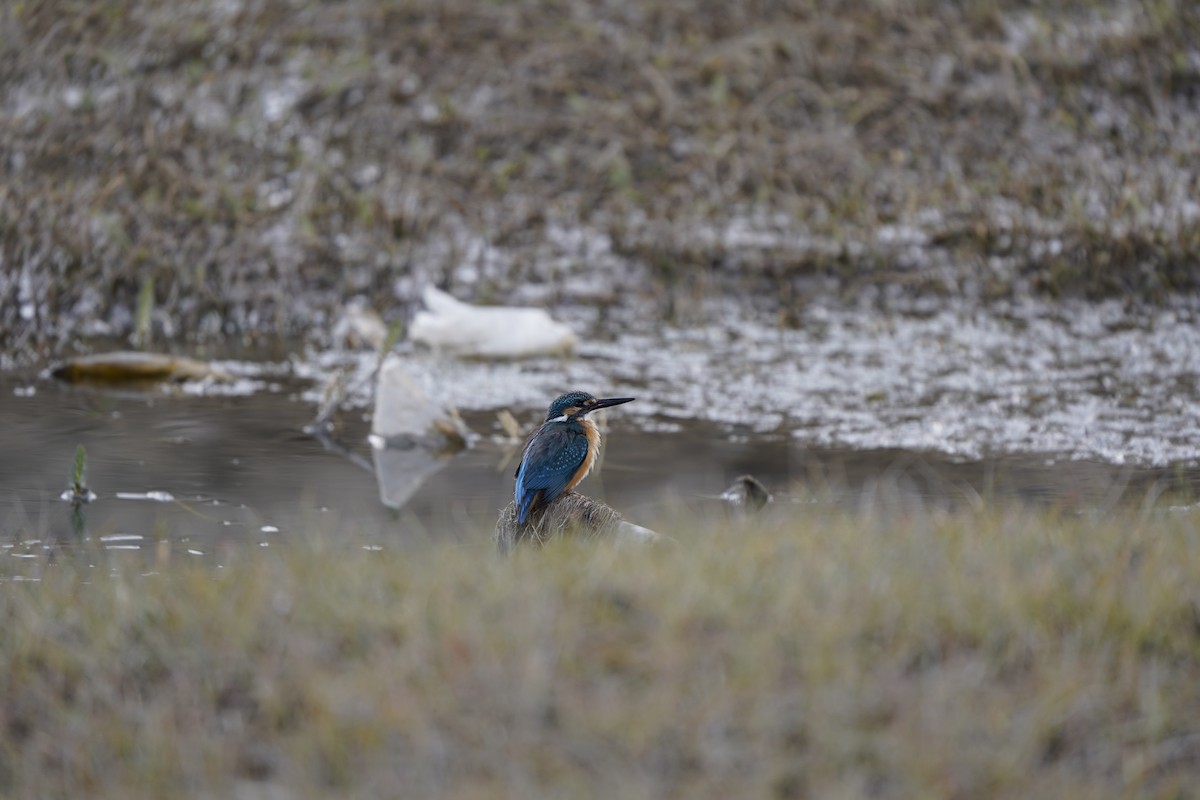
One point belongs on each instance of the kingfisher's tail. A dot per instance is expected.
(525, 504)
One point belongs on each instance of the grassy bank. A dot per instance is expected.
(264, 161)
(998, 654)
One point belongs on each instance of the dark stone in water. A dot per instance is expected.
(747, 494)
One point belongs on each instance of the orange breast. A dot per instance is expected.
(593, 437)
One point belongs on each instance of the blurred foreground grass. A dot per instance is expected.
(1004, 653)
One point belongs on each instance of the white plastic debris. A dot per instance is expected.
(488, 332)
(411, 436)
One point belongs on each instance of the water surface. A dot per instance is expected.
(1078, 407)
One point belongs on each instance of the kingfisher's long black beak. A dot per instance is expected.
(609, 401)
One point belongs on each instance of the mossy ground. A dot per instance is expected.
(264, 161)
(999, 653)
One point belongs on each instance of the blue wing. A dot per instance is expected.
(549, 462)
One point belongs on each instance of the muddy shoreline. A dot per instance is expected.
(262, 163)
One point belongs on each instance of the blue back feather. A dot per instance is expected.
(550, 461)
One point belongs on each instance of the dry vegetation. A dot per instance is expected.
(262, 161)
(996, 654)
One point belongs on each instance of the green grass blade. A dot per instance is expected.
(79, 470)
(145, 308)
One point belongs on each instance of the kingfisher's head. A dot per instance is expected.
(577, 405)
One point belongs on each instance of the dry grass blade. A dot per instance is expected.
(993, 654)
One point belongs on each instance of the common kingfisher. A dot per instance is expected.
(561, 452)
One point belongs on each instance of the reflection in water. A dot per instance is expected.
(402, 471)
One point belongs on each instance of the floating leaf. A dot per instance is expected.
(132, 367)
